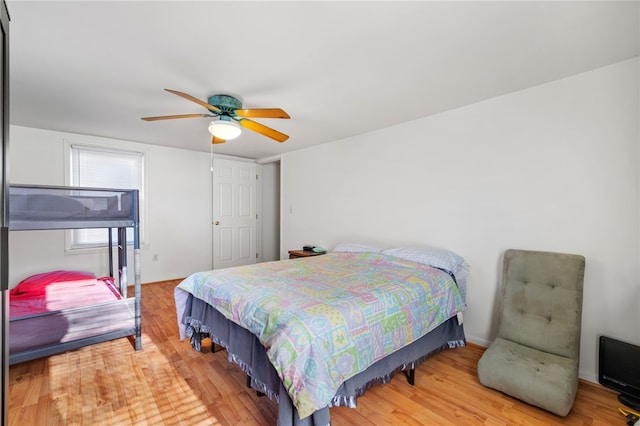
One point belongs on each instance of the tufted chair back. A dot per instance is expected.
(542, 301)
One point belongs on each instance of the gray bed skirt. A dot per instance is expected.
(244, 349)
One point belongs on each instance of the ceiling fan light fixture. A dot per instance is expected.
(225, 129)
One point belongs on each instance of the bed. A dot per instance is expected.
(60, 310)
(316, 332)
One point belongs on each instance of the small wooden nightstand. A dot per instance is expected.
(294, 254)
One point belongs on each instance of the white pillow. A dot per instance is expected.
(437, 258)
(357, 248)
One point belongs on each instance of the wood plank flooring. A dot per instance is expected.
(169, 383)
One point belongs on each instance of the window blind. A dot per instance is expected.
(94, 167)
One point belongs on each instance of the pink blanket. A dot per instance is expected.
(51, 291)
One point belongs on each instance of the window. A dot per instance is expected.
(97, 167)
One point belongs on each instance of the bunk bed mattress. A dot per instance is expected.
(324, 321)
(64, 306)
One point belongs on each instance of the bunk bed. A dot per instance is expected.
(59, 311)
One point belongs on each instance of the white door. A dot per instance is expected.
(234, 213)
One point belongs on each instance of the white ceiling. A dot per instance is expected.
(338, 68)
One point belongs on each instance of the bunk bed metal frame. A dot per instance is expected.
(122, 212)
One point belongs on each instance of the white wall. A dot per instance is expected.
(552, 168)
(179, 219)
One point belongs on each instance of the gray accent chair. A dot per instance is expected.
(535, 355)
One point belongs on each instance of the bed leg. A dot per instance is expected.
(411, 376)
(196, 341)
(249, 386)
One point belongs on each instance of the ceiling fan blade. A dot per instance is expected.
(215, 140)
(170, 117)
(262, 113)
(263, 130)
(192, 99)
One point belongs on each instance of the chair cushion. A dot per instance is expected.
(542, 379)
(542, 300)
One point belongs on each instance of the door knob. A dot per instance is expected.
(217, 222)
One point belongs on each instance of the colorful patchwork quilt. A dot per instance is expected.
(324, 319)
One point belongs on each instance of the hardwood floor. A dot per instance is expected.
(169, 383)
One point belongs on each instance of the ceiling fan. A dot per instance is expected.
(230, 116)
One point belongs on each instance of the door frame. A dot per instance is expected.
(259, 199)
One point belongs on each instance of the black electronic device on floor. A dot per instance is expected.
(619, 369)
